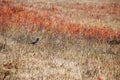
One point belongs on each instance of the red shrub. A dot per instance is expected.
(16, 14)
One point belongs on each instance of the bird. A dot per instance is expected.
(35, 42)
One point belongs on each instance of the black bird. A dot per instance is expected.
(35, 42)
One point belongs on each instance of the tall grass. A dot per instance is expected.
(21, 60)
(67, 52)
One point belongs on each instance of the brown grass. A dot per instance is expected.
(57, 56)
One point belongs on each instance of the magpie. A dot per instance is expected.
(35, 42)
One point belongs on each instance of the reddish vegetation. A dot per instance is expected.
(18, 14)
(100, 78)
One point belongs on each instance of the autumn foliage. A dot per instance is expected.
(19, 14)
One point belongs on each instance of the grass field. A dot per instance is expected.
(79, 40)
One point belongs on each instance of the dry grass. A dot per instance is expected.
(58, 56)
